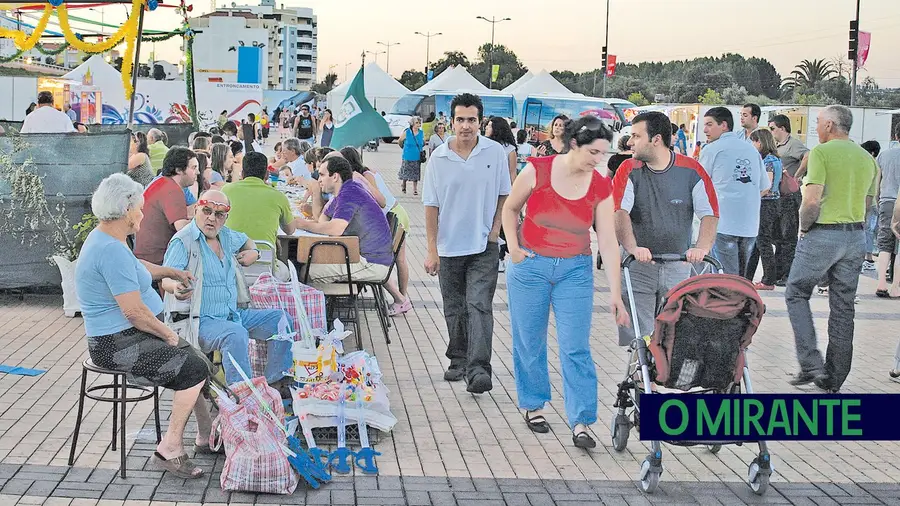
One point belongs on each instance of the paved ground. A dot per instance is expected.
(449, 447)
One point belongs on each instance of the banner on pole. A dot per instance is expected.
(495, 73)
(430, 75)
(610, 65)
(862, 53)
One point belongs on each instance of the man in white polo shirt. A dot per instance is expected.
(466, 183)
(46, 119)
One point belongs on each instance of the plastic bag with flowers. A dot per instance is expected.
(357, 375)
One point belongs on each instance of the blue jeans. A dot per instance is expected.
(836, 256)
(566, 284)
(232, 337)
(733, 253)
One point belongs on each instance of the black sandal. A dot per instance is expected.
(884, 294)
(584, 440)
(537, 423)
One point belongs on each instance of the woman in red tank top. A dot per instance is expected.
(551, 266)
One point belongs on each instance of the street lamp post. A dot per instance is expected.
(855, 62)
(388, 45)
(428, 37)
(493, 21)
(346, 66)
(375, 53)
(606, 45)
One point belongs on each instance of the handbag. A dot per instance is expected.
(422, 157)
(254, 458)
(788, 183)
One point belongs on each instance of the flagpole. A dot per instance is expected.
(362, 66)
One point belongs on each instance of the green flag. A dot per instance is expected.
(356, 122)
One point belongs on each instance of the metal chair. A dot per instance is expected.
(120, 400)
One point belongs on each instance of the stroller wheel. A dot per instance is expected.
(620, 431)
(758, 480)
(713, 448)
(649, 478)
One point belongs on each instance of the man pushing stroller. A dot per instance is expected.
(657, 194)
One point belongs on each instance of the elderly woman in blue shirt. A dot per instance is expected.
(224, 326)
(122, 312)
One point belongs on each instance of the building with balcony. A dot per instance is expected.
(285, 38)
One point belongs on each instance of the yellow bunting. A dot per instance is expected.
(24, 42)
(127, 32)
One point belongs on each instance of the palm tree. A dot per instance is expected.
(808, 73)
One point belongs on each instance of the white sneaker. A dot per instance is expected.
(502, 267)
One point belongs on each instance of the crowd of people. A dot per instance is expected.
(184, 218)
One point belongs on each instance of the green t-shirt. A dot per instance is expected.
(158, 152)
(257, 209)
(847, 172)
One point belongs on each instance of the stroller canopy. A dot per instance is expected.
(709, 296)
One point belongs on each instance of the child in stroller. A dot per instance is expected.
(703, 329)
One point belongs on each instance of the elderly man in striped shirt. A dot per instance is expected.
(223, 326)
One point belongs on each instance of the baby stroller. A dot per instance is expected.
(703, 329)
(372, 145)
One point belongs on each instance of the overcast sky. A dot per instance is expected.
(568, 35)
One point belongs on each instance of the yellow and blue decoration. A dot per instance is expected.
(127, 33)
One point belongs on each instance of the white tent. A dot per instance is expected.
(541, 84)
(102, 75)
(518, 82)
(453, 79)
(382, 90)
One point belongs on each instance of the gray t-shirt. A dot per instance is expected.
(889, 164)
(791, 154)
(662, 204)
(466, 193)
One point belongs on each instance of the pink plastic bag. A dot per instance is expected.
(254, 459)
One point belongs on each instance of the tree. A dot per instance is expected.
(735, 95)
(450, 59)
(511, 68)
(159, 73)
(808, 73)
(841, 65)
(711, 97)
(637, 98)
(412, 79)
(326, 85)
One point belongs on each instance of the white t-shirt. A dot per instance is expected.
(466, 194)
(47, 120)
(299, 169)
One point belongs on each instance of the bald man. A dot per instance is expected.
(223, 326)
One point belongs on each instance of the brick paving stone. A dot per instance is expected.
(344, 496)
(139, 493)
(117, 492)
(77, 493)
(16, 487)
(381, 501)
(540, 499)
(42, 488)
(480, 502)
(361, 492)
(462, 485)
(442, 498)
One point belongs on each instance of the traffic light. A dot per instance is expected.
(854, 40)
(604, 57)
